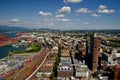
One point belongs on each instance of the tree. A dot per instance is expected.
(52, 76)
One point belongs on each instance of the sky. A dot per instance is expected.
(61, 14)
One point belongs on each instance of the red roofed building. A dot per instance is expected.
(3, 39)
(117, 73)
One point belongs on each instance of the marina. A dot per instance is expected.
(8, 42)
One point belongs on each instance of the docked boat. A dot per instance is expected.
(16, 46)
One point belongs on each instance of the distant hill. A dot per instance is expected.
(9, 28)
(104, 30)
(44, 29)
(47, 29)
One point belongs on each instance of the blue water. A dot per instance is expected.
(10, 34)
(4, 50)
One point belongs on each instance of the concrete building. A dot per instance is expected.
(43, 75)
(65, 68)
(81, 71)
(65, 53)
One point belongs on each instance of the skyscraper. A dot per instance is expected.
(92, 51)
(95, 53)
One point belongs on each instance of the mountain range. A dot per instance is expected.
(9, 28)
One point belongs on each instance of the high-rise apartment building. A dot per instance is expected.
(95, 53)
(92, 50)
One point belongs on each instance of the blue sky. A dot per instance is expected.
(61, 14)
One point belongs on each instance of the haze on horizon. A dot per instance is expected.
(61, 14)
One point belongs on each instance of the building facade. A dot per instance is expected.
(92, 51)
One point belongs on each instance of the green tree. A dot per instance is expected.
(52, 76)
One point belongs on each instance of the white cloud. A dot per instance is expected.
(60, 16)
(106, 11)
(11, 22)
(2, 22)
(63, 19)
(102, 7)
(77, 19)
(86, 23)
(41, 13)
(15, 20)
(73, 1)
(71, 24)
(83, 10)
(64, 9)
(95, 15)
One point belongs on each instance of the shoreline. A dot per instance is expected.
(6, 46)
(18, 53)
(3, 44)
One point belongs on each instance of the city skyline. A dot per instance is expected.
(61, 14)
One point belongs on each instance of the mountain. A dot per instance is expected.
(44, 29)
(9, 28)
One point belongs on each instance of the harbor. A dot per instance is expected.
(4, 50)
(16, 52)
(8, 41)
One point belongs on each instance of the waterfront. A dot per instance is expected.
(10, 34)
(4, 50)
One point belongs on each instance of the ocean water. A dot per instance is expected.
(4, 50)
(10, 34)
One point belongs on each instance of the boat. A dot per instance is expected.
(16, 46)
